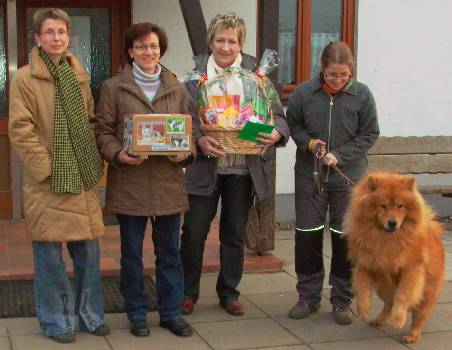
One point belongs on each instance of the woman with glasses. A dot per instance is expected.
(333, 120)
(50, 107)
(140, 189)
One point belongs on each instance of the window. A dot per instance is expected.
(305, 28)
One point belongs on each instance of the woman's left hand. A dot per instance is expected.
(268, 139)
(329, 159)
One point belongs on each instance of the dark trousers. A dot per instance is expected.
(169, 274)
(236, 194)
(311, 210)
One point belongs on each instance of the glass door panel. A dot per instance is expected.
(90, 41)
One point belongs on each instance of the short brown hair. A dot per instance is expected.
(227, 21)
(337, 52)
(50, 13)
(141, 30)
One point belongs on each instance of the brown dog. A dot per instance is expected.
(395, 247)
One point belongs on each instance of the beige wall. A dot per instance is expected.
(168, 15)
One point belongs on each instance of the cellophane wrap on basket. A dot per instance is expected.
(235, 97)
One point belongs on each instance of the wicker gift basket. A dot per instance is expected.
(232, 99)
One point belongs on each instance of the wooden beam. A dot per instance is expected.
(195, 24)
(412, 163)
(412, 145)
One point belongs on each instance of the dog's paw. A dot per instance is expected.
(363, 311)
(378, 322)
(398, 319)
(411, 338)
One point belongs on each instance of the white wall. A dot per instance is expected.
(404, 55)
(168, 15)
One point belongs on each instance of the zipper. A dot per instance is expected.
(329, 134)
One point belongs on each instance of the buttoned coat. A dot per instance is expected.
(156, 187)
(49, 216)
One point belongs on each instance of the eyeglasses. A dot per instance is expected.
(144, 47)
(342, 77)
(52, 33)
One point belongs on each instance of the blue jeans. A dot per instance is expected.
(55, 302)
(169, 273)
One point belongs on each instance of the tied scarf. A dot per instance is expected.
(76, 161)
(234, 161)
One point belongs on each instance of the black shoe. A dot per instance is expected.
(101, 330)
(139, 328)
(68, 337)
(178, 327)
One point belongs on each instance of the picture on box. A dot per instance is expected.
(175, 125)
(181, 142)
(150, 133)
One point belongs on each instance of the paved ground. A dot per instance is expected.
(265, 325)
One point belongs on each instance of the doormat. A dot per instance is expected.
(16, 297)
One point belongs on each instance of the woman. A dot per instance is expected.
(50, 107)
(234, 178)
(335, 117)
(139, 189)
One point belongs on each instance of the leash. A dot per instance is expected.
(318, 163)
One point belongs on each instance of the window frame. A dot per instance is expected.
(303, 39)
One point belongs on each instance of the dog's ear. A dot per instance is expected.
(371, 183)
(410, 183)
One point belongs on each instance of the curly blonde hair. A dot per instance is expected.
(227, 21)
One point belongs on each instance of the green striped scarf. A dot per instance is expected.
(76, 160)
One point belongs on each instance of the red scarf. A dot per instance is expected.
(330, 90)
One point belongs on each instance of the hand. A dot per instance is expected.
(268, 139)
(329, 159)
(124, 158)
(209, 146)
(314, 146)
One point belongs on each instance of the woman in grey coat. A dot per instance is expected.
(334, 117)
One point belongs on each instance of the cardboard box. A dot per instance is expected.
(158, 134)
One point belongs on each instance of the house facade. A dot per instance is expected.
(402, 51)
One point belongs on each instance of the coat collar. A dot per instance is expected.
(39, 69)
(248, 62)
(315, 85)
(169, 83)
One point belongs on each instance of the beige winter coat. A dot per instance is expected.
(49, 216)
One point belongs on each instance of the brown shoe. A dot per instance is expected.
(187, 306)
(341, 314)
(233, 307)
(301, 311)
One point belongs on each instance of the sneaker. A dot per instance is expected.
(139, 328)
(68, 337)
(232, 307)
(301, 311)
(341, 314)
(101, 330)
(187, 306)
(179, 327)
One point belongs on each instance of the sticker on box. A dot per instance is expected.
(175, 125)
(150, 133)
(180, 142)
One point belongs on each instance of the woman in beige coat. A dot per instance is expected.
(50, 103)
